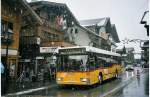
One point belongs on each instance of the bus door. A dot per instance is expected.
(106, 68)
(92, 68)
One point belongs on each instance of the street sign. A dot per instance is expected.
(39, 57)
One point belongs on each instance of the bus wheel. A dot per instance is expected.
(100, 77)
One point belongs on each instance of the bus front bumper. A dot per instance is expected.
(82, 81)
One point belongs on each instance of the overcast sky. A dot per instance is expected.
(125, 14)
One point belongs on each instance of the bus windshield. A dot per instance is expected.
(72, 63)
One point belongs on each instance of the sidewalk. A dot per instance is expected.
(14, 87)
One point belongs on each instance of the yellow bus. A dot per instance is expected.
(85, 65)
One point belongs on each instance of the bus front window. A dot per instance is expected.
(73, 63)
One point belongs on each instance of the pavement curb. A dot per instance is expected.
(114, 90)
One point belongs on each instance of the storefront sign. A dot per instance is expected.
(10, 52)
(39, 57)
(24, 60)
(48, 49)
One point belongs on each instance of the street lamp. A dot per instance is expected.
(145, 22)
(7, 40)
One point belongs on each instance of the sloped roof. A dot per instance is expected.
(23, 4)
(90, 32)
(43, 3)
(91, 22)
(114, 33)
(39, 4)
(38, 19)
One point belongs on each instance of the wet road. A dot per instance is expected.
(77, 91)
(139, 87)
(97, 91)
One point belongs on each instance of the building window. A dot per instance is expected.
(51, 36)
(71, 31)
(6, 32)
(76, 31)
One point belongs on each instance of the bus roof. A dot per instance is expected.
(94, 50)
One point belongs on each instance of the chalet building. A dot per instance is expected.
(113, 37)
(57, 23)
(122, 51)
(130, 55)
(78, 35)
(82, 36)
(59, 29)
(127, 54)
(86, 37)
(103, 28)
(11, 19)
(57, 20)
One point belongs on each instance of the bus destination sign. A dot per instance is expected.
(72, 51)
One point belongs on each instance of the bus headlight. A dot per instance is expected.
(85, 79)
(59, 79)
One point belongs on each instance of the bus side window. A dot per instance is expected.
(58, 63)
(88, 64)
(96, 62)
(99, 63)
(91, 62)
(65, 60)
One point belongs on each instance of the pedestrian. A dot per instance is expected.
(45, 75)
(138, 72)
(12, 69)
(27, 74)
(31, 75)
(3, 79)
(51, 71)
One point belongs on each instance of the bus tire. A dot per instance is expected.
(100, 78)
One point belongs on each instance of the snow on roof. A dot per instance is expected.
(90, 22)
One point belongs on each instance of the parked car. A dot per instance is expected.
(129, 68)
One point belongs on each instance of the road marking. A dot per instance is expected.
(30, 90)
